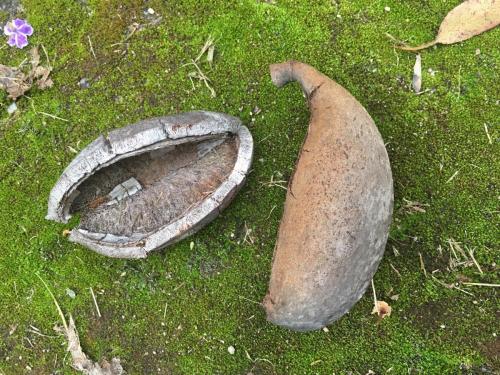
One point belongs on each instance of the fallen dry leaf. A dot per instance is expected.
(382, 309)
(41, 74)
(13, 81)
(468, 19)
(80, 360)
(17, 83)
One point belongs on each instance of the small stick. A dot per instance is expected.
(250, 300)
(95, 302)
(395, 270)
(270, 212)
(471, 253)
(488, 133)
(451, 243)
(206, 46)
(178, 287)
(463, 291)
(63, 319)
(135, 27)
(392, 38)
(418, 48)
(22, 63)
(52, 116)
(91, 48)
(422, 266)
(47, 56)
(263, 139)
(165, 311)
(483, 284)
(375, 298)
(452, 177)
(40, 334)
(248, 236)
(451, 286)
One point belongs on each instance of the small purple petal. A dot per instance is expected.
(8, 30)
(12, 40)
(21, 41)
(18, 22)
(26, 29)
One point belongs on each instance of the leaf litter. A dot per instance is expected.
(208, 48)
(80, 361)
(470, 18)
(17, 82)
(381, 308)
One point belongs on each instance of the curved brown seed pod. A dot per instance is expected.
(337, 211)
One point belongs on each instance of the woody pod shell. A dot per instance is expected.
(337, 211)
(148, 185)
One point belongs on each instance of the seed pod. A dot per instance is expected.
(148, 185)
(337, 212)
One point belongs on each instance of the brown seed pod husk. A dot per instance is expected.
(337, 212)
(148, 185)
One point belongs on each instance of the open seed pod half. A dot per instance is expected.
(148, 185)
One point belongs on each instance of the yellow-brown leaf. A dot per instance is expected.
(468, 19)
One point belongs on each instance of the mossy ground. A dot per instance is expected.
(179, 310)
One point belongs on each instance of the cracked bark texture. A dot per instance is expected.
(337, 212)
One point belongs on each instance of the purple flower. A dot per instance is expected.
(18, 32)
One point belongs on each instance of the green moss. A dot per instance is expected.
(180, 309)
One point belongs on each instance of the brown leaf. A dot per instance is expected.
(382, 309)
(17, 83)
(468, 19)
(13, 81)
(41, 73)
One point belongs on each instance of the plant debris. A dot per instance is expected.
(468, 19)
(382, 309)
(208, 48)
(80, 360)
(414, 206)
(17, 83)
